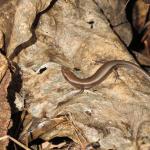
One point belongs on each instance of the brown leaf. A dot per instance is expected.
(5, 112)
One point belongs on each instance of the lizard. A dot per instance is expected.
(100, 75)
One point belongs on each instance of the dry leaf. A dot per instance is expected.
(5, 110)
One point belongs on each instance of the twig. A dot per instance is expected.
(15, 141)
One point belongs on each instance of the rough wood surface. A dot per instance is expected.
(78, 34)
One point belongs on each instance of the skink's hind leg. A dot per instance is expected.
(116, 74)
(80, 91)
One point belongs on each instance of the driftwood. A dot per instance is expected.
(82, 35)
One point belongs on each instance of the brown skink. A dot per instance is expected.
(100, 75)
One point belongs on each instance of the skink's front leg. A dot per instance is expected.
(81, 91)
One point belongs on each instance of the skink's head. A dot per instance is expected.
(71, 78)
(66, 72)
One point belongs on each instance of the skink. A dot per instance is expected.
(100, 75)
